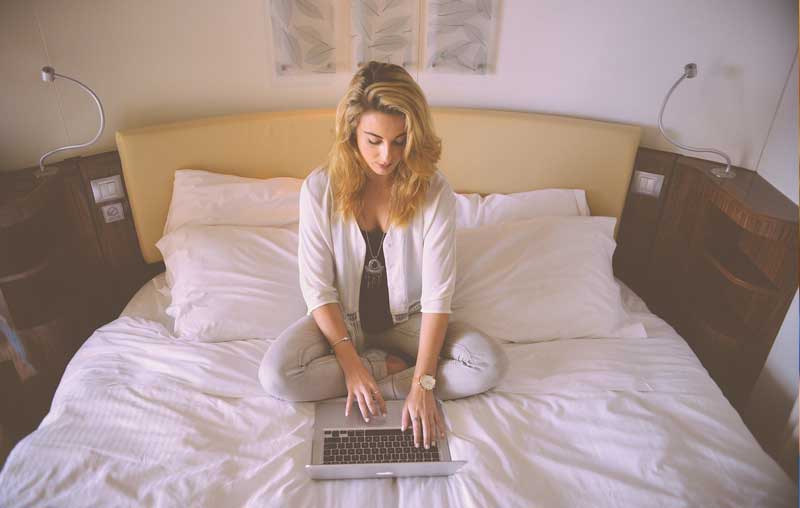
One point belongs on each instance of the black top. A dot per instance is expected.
(373, 302)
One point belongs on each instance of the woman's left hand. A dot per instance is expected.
(422, 414)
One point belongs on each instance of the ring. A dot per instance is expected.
(417, 418)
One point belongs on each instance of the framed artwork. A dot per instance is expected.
(461, 35)
(303, 36)
(384, 30)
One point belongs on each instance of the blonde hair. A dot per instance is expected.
(386, 88)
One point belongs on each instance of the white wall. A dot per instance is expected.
(779, 162)
(168, 60)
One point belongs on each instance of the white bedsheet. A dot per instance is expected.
(142, 419)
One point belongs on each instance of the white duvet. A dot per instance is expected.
(142, 419)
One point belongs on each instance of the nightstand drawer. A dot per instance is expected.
(713, 282)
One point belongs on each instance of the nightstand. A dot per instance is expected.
(37, 297)
(717, 259)
(66, 268)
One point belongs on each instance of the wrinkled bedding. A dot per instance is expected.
(141, 418)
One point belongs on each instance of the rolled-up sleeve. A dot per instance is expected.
(315, 250)
(439, 252)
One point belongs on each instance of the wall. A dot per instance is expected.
(161, 61)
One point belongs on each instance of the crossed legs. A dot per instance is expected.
(300, 367)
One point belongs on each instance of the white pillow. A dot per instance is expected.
(203, 197)
(474, 210)
(208, 198)
(232, 282)
(541, 279)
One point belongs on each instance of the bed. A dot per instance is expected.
(143, 417)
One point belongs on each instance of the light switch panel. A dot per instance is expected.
(647, 183)
(107, 189)
(113, 212)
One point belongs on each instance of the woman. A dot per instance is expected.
(377, 268)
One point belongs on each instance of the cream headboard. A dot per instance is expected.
(483, 151)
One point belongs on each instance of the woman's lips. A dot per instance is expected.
(382, 166)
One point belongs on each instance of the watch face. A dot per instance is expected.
(427, 382)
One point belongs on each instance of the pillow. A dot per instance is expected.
(541, 279)
(232, 282)
(203, 197)
(474, 210)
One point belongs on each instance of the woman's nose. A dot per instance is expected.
(385, 151)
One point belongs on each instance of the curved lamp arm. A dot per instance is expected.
(690, 71)
(49, 74)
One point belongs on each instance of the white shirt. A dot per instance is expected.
(420, 257)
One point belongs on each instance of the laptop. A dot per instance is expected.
(349, 447)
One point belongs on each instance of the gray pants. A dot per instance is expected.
(299, 366)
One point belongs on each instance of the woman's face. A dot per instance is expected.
(381, 141)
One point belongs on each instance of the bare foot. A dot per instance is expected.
(395, 364)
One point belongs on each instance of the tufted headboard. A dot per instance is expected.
(483, 151)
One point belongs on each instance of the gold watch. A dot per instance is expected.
(427, 382)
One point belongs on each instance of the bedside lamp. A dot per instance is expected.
(690, 71)
(49, 74)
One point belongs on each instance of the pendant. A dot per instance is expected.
(374, 270)
(374, 267)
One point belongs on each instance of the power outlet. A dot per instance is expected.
(646, 183)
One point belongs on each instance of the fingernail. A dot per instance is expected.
(384, 415)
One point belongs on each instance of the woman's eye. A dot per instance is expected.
(399, 143)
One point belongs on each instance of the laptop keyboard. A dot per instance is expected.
(365, 446)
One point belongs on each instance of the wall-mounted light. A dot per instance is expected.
(690, 71)
(49, 74)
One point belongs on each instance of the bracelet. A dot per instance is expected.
(338, 341)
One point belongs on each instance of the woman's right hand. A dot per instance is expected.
(362, 388)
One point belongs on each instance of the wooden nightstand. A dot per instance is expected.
(64, 271)
(717, 259)
(37, 295)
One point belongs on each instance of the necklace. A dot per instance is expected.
(374, 266)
